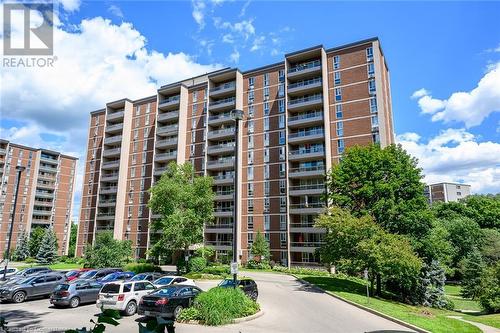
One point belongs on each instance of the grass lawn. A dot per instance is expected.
(433, 320)
(56, 266)
(490, 320)
(453, 292)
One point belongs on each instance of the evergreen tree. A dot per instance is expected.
(433, 280)
(472, 272)
(22, 249)
(260, 247)
(47, 253)
(35, 241)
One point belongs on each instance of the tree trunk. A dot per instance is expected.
(379, 285)
(371, 285)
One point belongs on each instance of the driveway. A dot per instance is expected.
(288, 305)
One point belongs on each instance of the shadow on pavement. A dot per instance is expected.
(22, 318)
(389, 331)
(307, 287)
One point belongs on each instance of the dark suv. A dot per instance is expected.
(32, 286)
(248, 286)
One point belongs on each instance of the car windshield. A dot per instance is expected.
(88, 275)
(111, 288)
(226, 283)
(165, 291)
(139, 277)
(21, 272)
(27, 280)
(163, 281)
(71, 273)
(110, 277)
(62, 287)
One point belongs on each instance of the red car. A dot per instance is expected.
(74, 274)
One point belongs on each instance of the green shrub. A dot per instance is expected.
(188, 314)
(197, 264)
(449, 305)
(30, 260)
(63, 259)
(203, 276)
(253, 264)
(207, 252)
(222, 270)
(301, 271)
(489, 296)
(220, 306)
(141, 268)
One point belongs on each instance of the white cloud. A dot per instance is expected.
(115, 10)
(456, 155)
(244, 8)
(471, 107)
(420, 93)
(198, 13)
(258, 43)
(228, 38)
(234, 56)
(70, 5)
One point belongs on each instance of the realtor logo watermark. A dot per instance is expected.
(28, 34)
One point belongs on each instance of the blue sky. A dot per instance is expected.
(447, 51)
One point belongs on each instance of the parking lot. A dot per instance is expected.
(288, 305)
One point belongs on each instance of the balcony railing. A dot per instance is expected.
(171, 99)
(304, 83)
(308, 168)
(219, 226)
(306, 133)
(49, 159)
(111, 152)
(166, 142)
(307, 187)
(304, 66)
(306, 244)
(167, 129)
(111, 164)
(113, 139)
(166, 156)
(225, 177)
(307, 205)
(168, 115)
(115, 115)
(226, 85)
(108, 189)
(44, 194)
(223, 209)
(219, 243)
(307, 151)
(226, 192)
(47, 168)
(42, 212)
(223, 147)
(221, 161)
(311, 98)
(115, 127)
(107, 202)
(309, 115)
(222, 101)
(221, 132)
(222, 116)
(43, 203)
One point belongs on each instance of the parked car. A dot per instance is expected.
(170, 280)
(248, 286)
(149, 276)
(123, 296)
(33, 286)
(75, 293)
(76, 273)
(10, 271)
(95, 274)
(31, 271)
(168, 302)
(116, 276)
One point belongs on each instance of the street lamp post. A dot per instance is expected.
(237, 116)
(19, 169)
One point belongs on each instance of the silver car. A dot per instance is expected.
(75, 293)
(33, 286)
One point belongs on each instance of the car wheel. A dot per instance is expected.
(19, 297)
(131, 308)
(253, 295)
(74, 302)
(177, 311)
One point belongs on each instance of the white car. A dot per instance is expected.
(169, 280)
(123, 296)
(10, 271)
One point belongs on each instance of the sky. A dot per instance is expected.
(443, 57)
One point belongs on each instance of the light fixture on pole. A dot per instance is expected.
(237, 116)
(19, 169)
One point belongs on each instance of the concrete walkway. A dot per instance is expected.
(482, 327)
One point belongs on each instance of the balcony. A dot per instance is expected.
(160, 171)
(166, 143)
(113, 152)
(305, 172)
(305, 102)
(108, 189)
(46, 168)
(167, 130)
(304, 246)
(304, 87)
(103, 228)
(172, 115)
(50, 186)
(51, 160)
(221, 149)
(3, 151)
(306, 136)
(221, 180)
(306, 154)
(169, 103)
(114, 128)
(41, 194)
(307, 119)
(40, 221)
(222, 104)
(221, 133)
(310, 189)
(220, 245)
(115, 115)
(43, 203)
(42, 212)
(46, 177)
(303, 70)
(222, 118)
(227, 88)
(305, 228)
(223, 211)
(113, 139)
(110, 165)
(307, 208)
(219, 228)
(105, 216)
(107, 203)
(221, 164)
(224, 195)
(109, 177)
(166, 157)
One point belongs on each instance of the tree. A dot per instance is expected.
(47, 253)
(436, 245)
(465, 235)
(472, 271)
(22, 249)
(260, 248)
(489, 296)
(36, 236)
(72, 240)
(430, 291)
(385, 184)
(108, 252)
(490, 248)
(185, 202)
(207, 252)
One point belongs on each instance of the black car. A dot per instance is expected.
(168, 302)
(32, 286)
(148, 276)
(96, 274)
(248, 286)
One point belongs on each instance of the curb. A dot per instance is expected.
(236, 321)
(362, 307)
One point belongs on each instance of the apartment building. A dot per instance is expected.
(299, 116)
(45, 196)
(446, 192)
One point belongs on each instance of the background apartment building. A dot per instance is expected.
(45, 195)
(299, 116)
(446, 192)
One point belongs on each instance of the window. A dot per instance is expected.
(267, 188)
(340, 146)
(281, 75)
(250, 141)
(251, 111)
(195, 96)
(250, 157)
(251, 96)
(266, 93)
(148, 108)
(266, 139)
(147, 121)
(373, 105)
(338, 94)
(266, 124)
(250, 205)
(250, 173)
(195, 109)
(193, 136)
(251, 82)
(191, 150)
(266, 155)
(282, 222)
(266, 109)
(266, 171)
(266, 205)
(282, 186)
(371, 69)
(281, 137)
(193, 123)
(376, 137)
(369, 54)
(249, 222)
(371, 86)
(250, 238)
(336, 77)
(250, 189)
(267, 222)
(266, 79)
(282, 204)
(250, 126)
(281, 121)
(137, 111)
(282, 153)
(340, 128)
(281, 105)
(282, 169)
(281, 90)
(336, 62)
(374, 121)
(338, 111)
